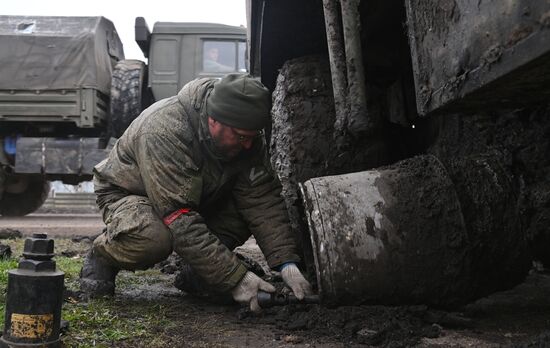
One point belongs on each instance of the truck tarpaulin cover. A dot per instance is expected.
(57, 52)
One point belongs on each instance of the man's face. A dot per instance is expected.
(213, 54)
(231, 141)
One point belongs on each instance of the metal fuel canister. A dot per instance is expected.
(34, 297)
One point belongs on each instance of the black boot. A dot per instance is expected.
(189, 282)
(97, 276)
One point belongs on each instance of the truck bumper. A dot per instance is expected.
(75, 156)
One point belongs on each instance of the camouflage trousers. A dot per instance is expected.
(136, 237)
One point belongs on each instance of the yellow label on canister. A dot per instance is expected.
(31, 325)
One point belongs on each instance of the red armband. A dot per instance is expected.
(170, 218)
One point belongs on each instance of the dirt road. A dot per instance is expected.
(55, 225)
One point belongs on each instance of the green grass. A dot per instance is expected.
(5, 266)
(96, 323)
(99, 322)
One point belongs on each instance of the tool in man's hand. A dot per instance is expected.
(267, 300)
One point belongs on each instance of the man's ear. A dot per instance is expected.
(213, 125)
(211, 121)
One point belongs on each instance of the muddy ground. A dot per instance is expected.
(519, 317)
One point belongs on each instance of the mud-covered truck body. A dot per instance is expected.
(66, 92)
(412, 139)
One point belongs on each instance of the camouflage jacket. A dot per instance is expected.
(166, 155)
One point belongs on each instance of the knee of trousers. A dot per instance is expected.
(132, 252)
(157, 247)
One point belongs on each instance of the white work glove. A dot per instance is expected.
(294, 279)
(246, 292)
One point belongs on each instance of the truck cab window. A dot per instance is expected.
(241, 56)
(219, 56)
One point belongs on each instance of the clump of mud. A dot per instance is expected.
(370, 325)
(10, 233)
(542, 340)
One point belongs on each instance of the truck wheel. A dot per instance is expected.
(301, 134)
(129, 94)
(24, 196)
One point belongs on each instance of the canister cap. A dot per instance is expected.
(38, 253)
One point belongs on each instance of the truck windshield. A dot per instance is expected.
(223, 56)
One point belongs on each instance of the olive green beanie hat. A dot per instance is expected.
(240, 101)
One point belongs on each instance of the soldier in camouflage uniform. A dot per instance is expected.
(191, 175)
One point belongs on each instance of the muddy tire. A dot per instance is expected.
(27, 199)
(129, 94)
(302, 119)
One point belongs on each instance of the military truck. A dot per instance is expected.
(66, 92)
(412, 139)
(177, 54)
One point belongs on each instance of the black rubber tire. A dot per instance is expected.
(129, 94)
(302, 143)
(32, 198)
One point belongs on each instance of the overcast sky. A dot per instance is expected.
(123, 13)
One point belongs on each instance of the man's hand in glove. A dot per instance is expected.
(246, 292)
(294, 279)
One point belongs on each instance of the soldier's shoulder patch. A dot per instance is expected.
(258, 175)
